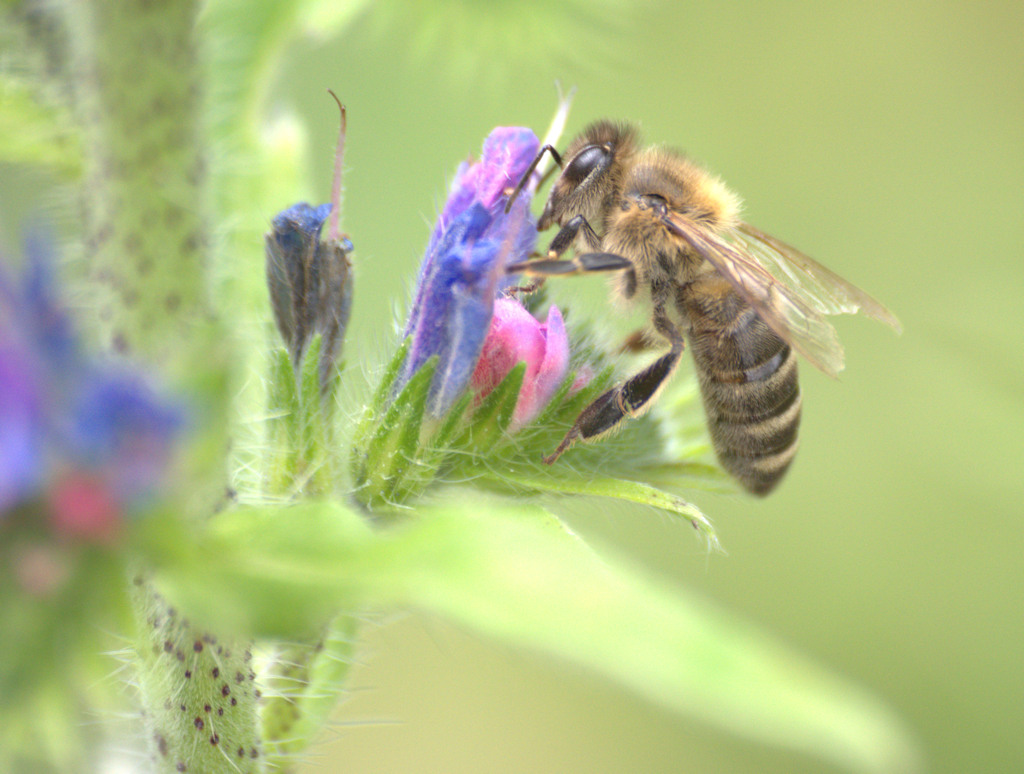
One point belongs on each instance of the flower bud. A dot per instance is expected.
(517, 336)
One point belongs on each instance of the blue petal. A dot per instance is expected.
(21, 431)
(463, 269)
(62, 409)
(299, 225)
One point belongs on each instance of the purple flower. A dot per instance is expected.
(20, 445)
(74, 432)
(464, 267)
(517, 336)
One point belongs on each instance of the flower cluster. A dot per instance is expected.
(475, 366)
(464, 267)
(88, 440)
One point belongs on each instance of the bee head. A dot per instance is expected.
(592, 174)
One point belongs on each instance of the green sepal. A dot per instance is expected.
(383, 463)
(406, 417)
(439, 442)
(563, 408)
(302, 450)
(368, 424)
(490, 420)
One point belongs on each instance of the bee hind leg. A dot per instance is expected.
(629, 399)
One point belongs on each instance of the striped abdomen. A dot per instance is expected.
(748, 381)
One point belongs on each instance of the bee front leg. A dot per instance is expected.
(566, 236)
(581, 264)
(630, 399)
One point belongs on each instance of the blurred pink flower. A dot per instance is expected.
(82, 507)
(517, 336)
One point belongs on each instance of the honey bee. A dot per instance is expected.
(744, 301)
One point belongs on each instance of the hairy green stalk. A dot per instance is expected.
(136, 74)
(199, 692)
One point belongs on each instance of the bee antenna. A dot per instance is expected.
(339, 156)
(529, 172)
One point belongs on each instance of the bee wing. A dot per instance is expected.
(793, 299)
(828, 292)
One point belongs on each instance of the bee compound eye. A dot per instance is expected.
(585, 162)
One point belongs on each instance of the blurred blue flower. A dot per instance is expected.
(66, 416)
(464, 267)
(20, 445)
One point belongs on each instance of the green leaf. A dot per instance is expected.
(619, 489)
(515, 574)
(491, 418)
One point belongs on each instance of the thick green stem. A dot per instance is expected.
(136, 70)
(137, 77)
(138, 87)
(199, 692)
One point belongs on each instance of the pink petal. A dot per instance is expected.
(515, 336)
(543, 377)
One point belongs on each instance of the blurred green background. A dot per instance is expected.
(886, 140)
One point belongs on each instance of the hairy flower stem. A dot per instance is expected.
(136, 74)
(305, 678)
(138, 92)
(200, 693)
